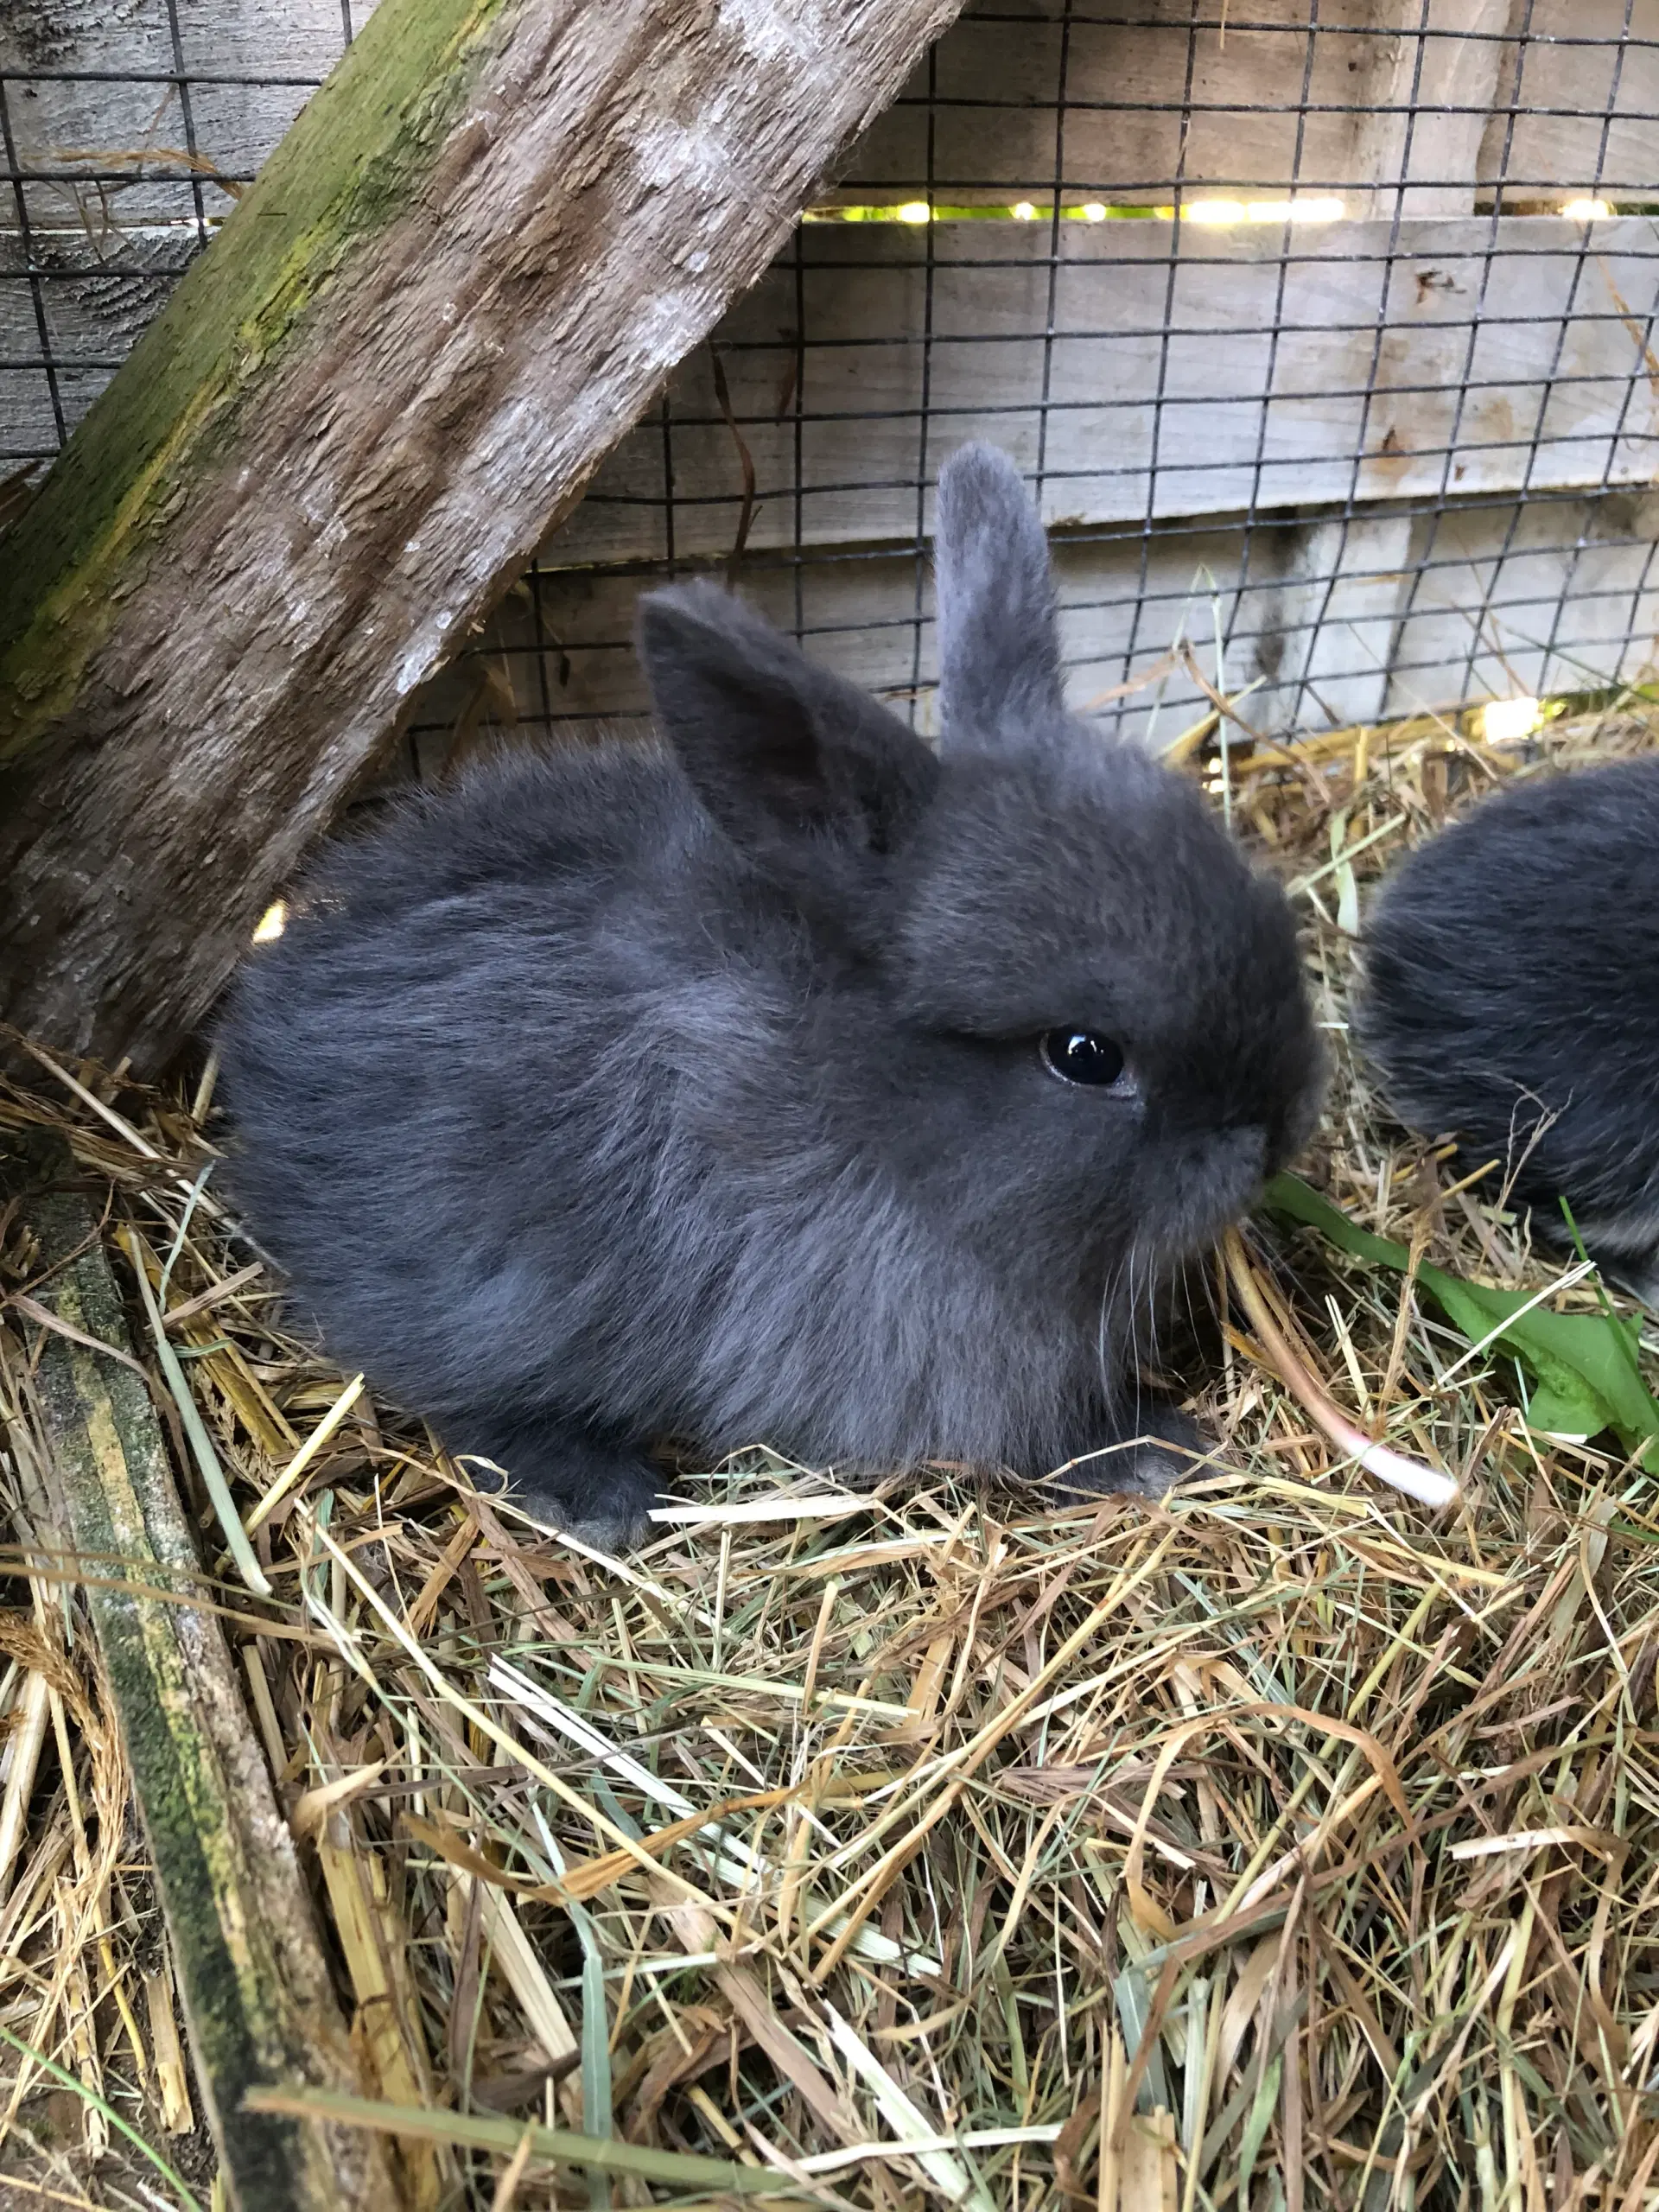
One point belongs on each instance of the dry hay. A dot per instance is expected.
(1319, 1831)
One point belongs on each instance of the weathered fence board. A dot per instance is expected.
(1387, 109)
(115, 210)
(1273, 369)
(91, 94)
(1332, 623)
(1450, 71)
(1429, 88)
(1580, 60)
(1331, 379)
(1450, 67)
(1530, 599)
(96, 301)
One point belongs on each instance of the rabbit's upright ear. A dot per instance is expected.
(782, 754)
(999, 640)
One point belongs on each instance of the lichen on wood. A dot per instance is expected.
(479, 251)
(259, 2001)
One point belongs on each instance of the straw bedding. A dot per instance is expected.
(1290, 1845)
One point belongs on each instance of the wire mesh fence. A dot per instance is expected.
(1323, 332)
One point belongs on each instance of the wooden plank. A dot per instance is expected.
(109, 234)
(1579, 61)
(97, 296)
(1400, 325)
(1379, 76)
(1123, 603)
(1532, 310)
(1333, 623)
(1432, 89)
(997, 76)
(256, 1988)
(91, 101)
(1372, 55)
(1544, 597)
(1426, 79)
(1432, 78)
(1320, 637)
(470, 264)
(1151, 95)
(1323, 608)
(996, 128)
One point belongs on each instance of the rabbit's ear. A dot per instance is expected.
(782, 754)
(999, 642)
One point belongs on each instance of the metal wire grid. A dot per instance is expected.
(1516, 641)
(1559, 581)
(1513, 609)
(126, 139)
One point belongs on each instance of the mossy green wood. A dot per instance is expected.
(488, 240)
(258, 1999)
(353, 156)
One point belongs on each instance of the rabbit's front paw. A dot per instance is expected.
(1639, 1277)
(1164, 1447)
(596, 1487)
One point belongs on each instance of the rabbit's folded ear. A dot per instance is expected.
(782, 754)
(999, 640)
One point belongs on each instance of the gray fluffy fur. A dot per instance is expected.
(689, 1089)
(1513, 997)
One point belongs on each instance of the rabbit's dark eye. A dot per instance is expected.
(1082, 1056)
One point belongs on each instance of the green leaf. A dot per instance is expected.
(595, 2036)
(1288, 1194)
(1564, 1412)
(485, 2132)
(1584, 1365)
(595, 2051)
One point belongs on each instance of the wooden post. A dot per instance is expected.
(1429, 88)
(464, 272)
(254, 1986)
(1428, 85)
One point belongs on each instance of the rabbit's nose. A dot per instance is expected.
(1246, 1152)
(1239, 1167)
(1211, 1180)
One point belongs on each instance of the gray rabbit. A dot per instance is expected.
(1512, 996)
(778, 1080)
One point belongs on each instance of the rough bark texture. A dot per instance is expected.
(258, 1999)
(470, 264)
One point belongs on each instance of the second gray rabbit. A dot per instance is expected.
(776, 1080)
(1513, 997)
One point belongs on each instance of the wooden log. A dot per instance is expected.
(254, 1986)
(462, 275)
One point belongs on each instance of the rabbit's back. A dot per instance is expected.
(468, 1008)
(533, 1103)
(789, 1081)
(1512, 989)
